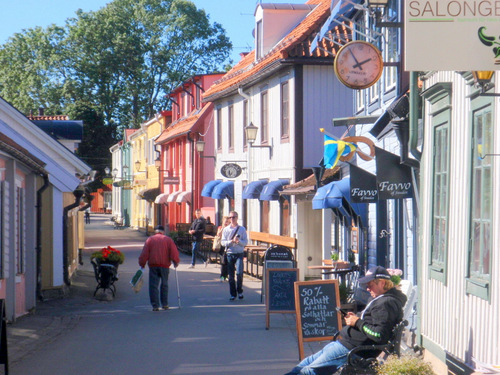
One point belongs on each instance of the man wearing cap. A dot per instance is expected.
(159, 252)
(374, 326)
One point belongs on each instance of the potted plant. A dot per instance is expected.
(395, 275)
(409, 365)
(108, 255)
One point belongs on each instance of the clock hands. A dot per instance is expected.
(355, 59)
(359, 64)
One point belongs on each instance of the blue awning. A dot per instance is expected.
(337, 195)
(253, 189)
(342, 11)
(270, 192)
(223, 190)
(209, 187)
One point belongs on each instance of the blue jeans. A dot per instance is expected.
(158, 275)
(194, 250)
(235, 263)
(326, 361)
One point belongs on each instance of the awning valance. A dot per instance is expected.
(209, 187)
(161, 199)
(184, 197)
(253, 189)
(150, 194)
(270, 192)
(173, 196)
(223, 190)
(337, 195)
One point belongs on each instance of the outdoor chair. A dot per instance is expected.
(363, 359)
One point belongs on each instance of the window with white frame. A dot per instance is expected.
(481, 190)
(264, 117)
(245, 121)
(438, 99)
(219, 128)
(230, 127)
(440, 197)
(259, 35)
(285, 109)
(20, 230)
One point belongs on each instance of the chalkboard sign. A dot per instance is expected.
(280, 296)
(315, 303)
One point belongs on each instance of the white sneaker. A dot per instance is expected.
(205, 263)
(191, 266)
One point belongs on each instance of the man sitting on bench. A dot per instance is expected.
(383, 312)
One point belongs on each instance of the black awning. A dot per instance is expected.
(150, 194)
(398, 109)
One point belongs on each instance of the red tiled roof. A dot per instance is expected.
(128, 133)
(182, 126)
(246, 68)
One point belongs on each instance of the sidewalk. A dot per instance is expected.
(234, 327)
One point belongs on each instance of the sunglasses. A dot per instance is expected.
(233, 217)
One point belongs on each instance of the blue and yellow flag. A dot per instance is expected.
(334, 149)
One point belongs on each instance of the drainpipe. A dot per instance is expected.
(38, 250)
(191, 209)
(400, 126)
(413, 138)
(78, 193)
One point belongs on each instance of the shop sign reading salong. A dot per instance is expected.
(452, 35)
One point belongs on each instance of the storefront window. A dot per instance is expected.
(479, 268)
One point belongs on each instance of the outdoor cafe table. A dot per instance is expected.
(339, 273)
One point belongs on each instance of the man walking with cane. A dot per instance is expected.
(159, 252)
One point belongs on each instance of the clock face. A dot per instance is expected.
(358, 64)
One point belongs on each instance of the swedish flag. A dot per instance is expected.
(334, 149)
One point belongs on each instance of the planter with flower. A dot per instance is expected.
(105, 263)
(395, 275)
(108, 255)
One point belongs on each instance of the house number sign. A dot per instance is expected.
(230, 170)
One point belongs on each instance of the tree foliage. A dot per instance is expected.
(119, 62)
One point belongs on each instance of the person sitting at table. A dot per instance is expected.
(373, 326)
(222, 253)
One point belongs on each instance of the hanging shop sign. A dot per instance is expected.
(230, 170)
(173, 180)
(393, 179)
(363, 185)
(452, 35)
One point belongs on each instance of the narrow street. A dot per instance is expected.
(207, 335)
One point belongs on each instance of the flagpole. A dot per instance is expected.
(322, 130)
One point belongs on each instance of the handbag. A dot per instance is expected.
(216, 246)
(137, 280)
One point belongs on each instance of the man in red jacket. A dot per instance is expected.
(159, 252)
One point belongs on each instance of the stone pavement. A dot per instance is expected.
(201, 290)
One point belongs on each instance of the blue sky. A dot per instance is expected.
(236, 16)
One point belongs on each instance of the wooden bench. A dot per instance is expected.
(268, 239)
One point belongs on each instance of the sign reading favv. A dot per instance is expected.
(393, 179)
(452, 35)
(363, 185)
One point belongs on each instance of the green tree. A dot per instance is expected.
(121, 60)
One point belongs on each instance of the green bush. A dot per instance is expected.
(405, 365)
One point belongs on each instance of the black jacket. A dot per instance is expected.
(378, 320)
(198, 226)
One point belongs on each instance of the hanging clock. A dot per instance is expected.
(358, 64)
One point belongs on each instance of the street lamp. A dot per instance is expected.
(251, 134)
(200, 147)
(376, 7)
(483, 80)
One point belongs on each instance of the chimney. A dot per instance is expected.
(40, 111)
